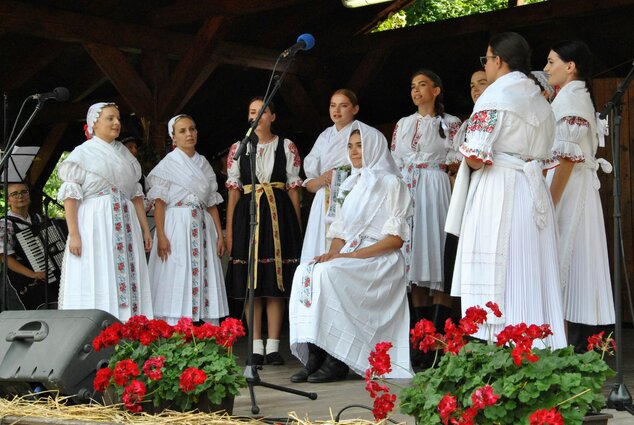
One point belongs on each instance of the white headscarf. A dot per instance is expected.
(174, 120)
(542, 79)
(377, 164)
(93, 115)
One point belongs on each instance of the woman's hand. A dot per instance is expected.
(220, 246)
(229, 242)
(326, 178)
(39, 276)
(147, 241)
(74, 244)
(329, 256)
(164, 249)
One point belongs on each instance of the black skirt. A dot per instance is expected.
(290, 242)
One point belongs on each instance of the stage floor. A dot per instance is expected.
(333, 397)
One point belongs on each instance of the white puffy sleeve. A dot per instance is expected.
(453, 140)
(312, 162)
(138, 191)
(336, 229)
(214, 197)
(394, 146)
(159, 189)
(73, 176)
(568, 134)
(482, 130)
(233, 169)
(399, 203)
(293, 165)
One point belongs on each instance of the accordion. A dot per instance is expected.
(32, 242)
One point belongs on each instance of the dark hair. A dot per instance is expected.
(513, 49)
(352, 97)
(578, 52)
(439, 102)
(261, 99)
(355, 131)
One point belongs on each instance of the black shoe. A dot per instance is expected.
(332, 370)
(274, 358)
(316, 357)
(258, 360)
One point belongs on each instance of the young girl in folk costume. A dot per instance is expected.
(354, 295)
(278, 235)
(500, 205)
(423, 147)
(326, 168)
(104, 263)
(585, 273)
(185, 270)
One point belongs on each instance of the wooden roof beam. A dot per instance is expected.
(185, 11)
(55, 24)
(192, 70)
(512, 18)
(368, 68)
(124, 77)
(22, 68)
(301, 105)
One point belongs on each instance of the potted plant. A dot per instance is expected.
(178, 367)
(506, 382)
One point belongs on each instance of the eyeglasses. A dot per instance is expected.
(19, 193)
(485, 59)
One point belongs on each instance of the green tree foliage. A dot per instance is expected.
(425, 11)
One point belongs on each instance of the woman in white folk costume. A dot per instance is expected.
(501, 208)
(423, 147)
(278, 234)
(326, 168)
(104, 263)
(355, 296)
(583, 253)
(185, 271)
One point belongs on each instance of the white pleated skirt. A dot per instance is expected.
(191, 282)
(532, 291)
(585, 269)
(424, 253)
(356, 303)
(89, 281)
(315, 241)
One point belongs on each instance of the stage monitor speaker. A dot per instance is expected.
(51, 350)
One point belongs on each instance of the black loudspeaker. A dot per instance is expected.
(51, 350)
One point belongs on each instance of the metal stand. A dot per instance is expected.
(6, 155)
(249, 143)
(619, 397)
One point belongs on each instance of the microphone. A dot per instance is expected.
(61, 94)
(304, 42)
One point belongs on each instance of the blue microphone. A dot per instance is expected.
(304, 42)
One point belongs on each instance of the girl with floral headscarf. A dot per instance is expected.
(104, 262)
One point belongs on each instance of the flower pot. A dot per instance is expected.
(597, 418)
(203, 405)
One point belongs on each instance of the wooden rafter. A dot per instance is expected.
(394, 6)
(185, 11)
(124, 77)
(192, 70)
(44, 162)
(301, 105)
(368, 68)
(23, 68)
(513, 18)
(55, 24)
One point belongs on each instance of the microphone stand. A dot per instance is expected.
(619, 397)
(5, 189)
(8, 148)
(249, 143)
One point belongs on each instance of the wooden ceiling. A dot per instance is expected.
(156, 58)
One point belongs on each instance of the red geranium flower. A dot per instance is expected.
(102, 379)
(191, 378)
(152, 368)
(124, 370)
(133, 395)
(383, 405)
(546, 417)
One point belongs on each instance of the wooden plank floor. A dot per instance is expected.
(333, 397)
